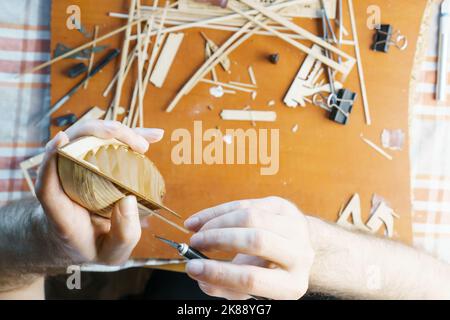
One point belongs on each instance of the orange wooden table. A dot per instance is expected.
(321, 166)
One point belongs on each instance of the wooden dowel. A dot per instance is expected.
(343, 68)
(226, 48)
(362, 81)
(82, 47)
(226, 85)
(91, 58)
(123, 60)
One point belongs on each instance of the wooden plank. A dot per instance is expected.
(168, 53)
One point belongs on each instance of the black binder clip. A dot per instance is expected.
(385, 37)
(341, 106)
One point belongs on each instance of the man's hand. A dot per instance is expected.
(88, 237)
(274, 249)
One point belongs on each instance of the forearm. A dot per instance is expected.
(28, 244)
(355, 265)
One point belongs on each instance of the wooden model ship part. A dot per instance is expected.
(96, 173)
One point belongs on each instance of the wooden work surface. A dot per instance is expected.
(321, 166)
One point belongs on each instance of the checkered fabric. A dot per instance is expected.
(430, 156)
(24, 42)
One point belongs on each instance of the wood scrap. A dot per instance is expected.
(359, 64)
(208, 53)
(123, 60)
(166, 58)
(382, 215)
(80, 48)
(232, 42)
(245, 115)
(251, 73)
(353, 210)
(377, 148)
(226, 85)
(344, 68)
(225, 61)
(91, 58)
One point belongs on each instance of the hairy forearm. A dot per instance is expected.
(29, 246)
(355, 265)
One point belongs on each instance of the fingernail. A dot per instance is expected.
(53, 142)
(195, 267)
(128, 206)
(143, 144)
(151, 134)
(192, 223)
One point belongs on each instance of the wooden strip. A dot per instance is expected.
(208, 53)
(130, 60)
(82, 47)
(343, 68)
(158, 42)
(229, 45)
(166, 58)
(249, 85)
(91, 58)
(123, 60)
(251, 73)
(377, 148)
(226, 85)
(247, 115)
(362, 81)
(225, 62)
(295, 28)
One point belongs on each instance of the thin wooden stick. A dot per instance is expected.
(82, 47)
(251, 73)
(131, 57)
(226, 85)
(377, 148)
(226, 48)
(343, 68)
(123, 60)
(91, 58)
(362, 81)
(140, 67)
(249, 85)
(208, 54)
(295, 28)
(133, 100)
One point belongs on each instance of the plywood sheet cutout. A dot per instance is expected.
(168, 53)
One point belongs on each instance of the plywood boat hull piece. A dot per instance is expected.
(96, 173)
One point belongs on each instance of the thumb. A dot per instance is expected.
(124, 234)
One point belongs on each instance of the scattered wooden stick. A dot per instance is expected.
(123, 60)
(82, 47)
(343, 68)
(225, 62)
(249, 85)
(226, 85)
(251, 73)
(362, 81)
(208, 53)
(229, 45)
(91, 58)
(246, 115)
(377, 148)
